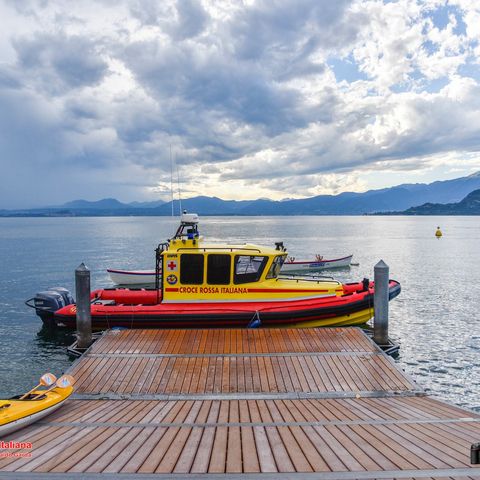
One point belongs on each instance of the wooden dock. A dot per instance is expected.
(246, 404)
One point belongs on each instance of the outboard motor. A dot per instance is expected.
(46, 303)
(67, 296)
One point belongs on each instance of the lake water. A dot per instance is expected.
(435, 319)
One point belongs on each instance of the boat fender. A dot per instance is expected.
(255, 322)
(365, 284)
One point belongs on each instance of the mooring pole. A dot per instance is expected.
(475, 454)
(380, 303)
(84, 317)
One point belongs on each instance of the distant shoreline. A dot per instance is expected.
(437, 198)
(469, 205)
(120, 215)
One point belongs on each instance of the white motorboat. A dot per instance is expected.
(308, 266)
(132, 277)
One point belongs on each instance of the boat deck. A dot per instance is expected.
(244, 404)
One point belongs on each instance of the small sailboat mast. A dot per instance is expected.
(179, 193)
(171, 177)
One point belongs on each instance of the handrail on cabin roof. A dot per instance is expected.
(206, 249)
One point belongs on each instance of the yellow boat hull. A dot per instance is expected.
(357, 318)
(16, 414)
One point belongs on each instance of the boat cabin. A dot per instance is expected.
(212, 272)
(216, 272)
(195, 271)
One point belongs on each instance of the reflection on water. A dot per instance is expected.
(49, 338)
(435, 318)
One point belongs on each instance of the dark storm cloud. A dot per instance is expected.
(29, 126)
(9, 78)
(28, 146)
(181, 21)
(192, 19)
(242, 91)
(60, 62)
(241, 71)
(292, 29)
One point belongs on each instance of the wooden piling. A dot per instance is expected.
(84, 317)
(380, 303)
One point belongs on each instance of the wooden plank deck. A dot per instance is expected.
(244, 404)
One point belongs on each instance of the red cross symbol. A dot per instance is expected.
(172, 265)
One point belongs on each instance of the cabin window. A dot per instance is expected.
(277, 263)
(191, 269)
(248, 268)
(218, 270)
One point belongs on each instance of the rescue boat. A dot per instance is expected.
(222, 285)
(290, 266)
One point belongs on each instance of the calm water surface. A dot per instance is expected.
(435, 319)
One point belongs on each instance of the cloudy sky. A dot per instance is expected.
(266, 98)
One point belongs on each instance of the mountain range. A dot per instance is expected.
(470, 205)
(394, 199)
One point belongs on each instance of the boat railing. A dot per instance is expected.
(231, 249)
(305, 278)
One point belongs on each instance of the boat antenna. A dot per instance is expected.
(171, 177)
(178, 183)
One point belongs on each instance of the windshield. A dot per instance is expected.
(276, 266)
(249, 268)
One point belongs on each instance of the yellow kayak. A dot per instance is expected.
(20, 411)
